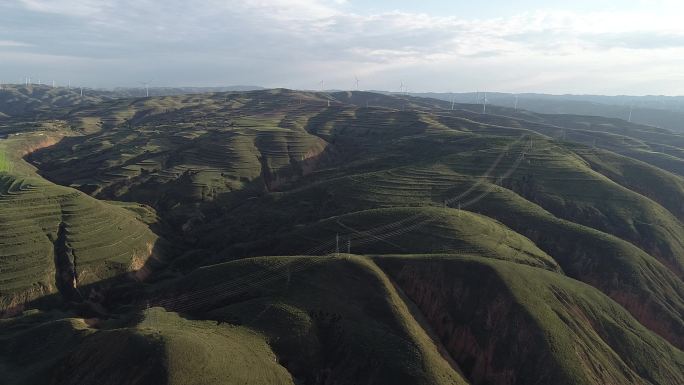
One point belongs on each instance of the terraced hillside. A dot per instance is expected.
(58, 239)
(356, 237)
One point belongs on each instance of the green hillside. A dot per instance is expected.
(58, 239)
(507, 323)
(326, 317)
(162, 348)
(280, 236)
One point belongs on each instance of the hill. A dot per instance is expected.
(658, 111)
(26, 101)
(56, 239)
(415, 240)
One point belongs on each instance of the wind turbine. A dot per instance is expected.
(147, 88)
(484, 104)
(631, 108)
(453, 101)
(401, 87)
(357, 82)
(516, 102)
(323, 90)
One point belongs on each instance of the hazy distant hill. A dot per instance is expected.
(133, 92)
(20, 100)
(659, 111)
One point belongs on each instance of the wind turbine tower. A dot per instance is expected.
(631, 109)
(357, 82)
(484, 103)
(516, 102)
(147, 88)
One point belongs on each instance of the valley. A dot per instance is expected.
(298, 237)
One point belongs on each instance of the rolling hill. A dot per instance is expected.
(342, 237)
(57, 239)
(658, 111)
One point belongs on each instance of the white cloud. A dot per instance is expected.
(297, 38)
(70, 7)
(12, 43)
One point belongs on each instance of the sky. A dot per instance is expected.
(633, 47)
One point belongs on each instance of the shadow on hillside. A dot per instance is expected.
(107, 297)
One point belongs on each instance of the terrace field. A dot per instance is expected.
(292, 237)
(58, 239)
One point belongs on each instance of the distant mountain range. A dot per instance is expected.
(20, 100)
(659, 111)
(171, 91)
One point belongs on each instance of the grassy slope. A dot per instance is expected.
(195, 149)
(629, 275)
(335, 319)
(162, 348)
(562, 183)
(5, 165)
(408, 230)
(661, 186)
(542, 327)
(102, 240)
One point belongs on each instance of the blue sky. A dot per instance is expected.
(599, 46)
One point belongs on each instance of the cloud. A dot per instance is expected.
(12, 43)
(293, 40)
(84, 8)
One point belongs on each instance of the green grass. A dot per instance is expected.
(162, 348)
(414, 230)
(542, 325)
(5, 164)
(661, 186)
(546, 327)
(339, 316)
(104, 240)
